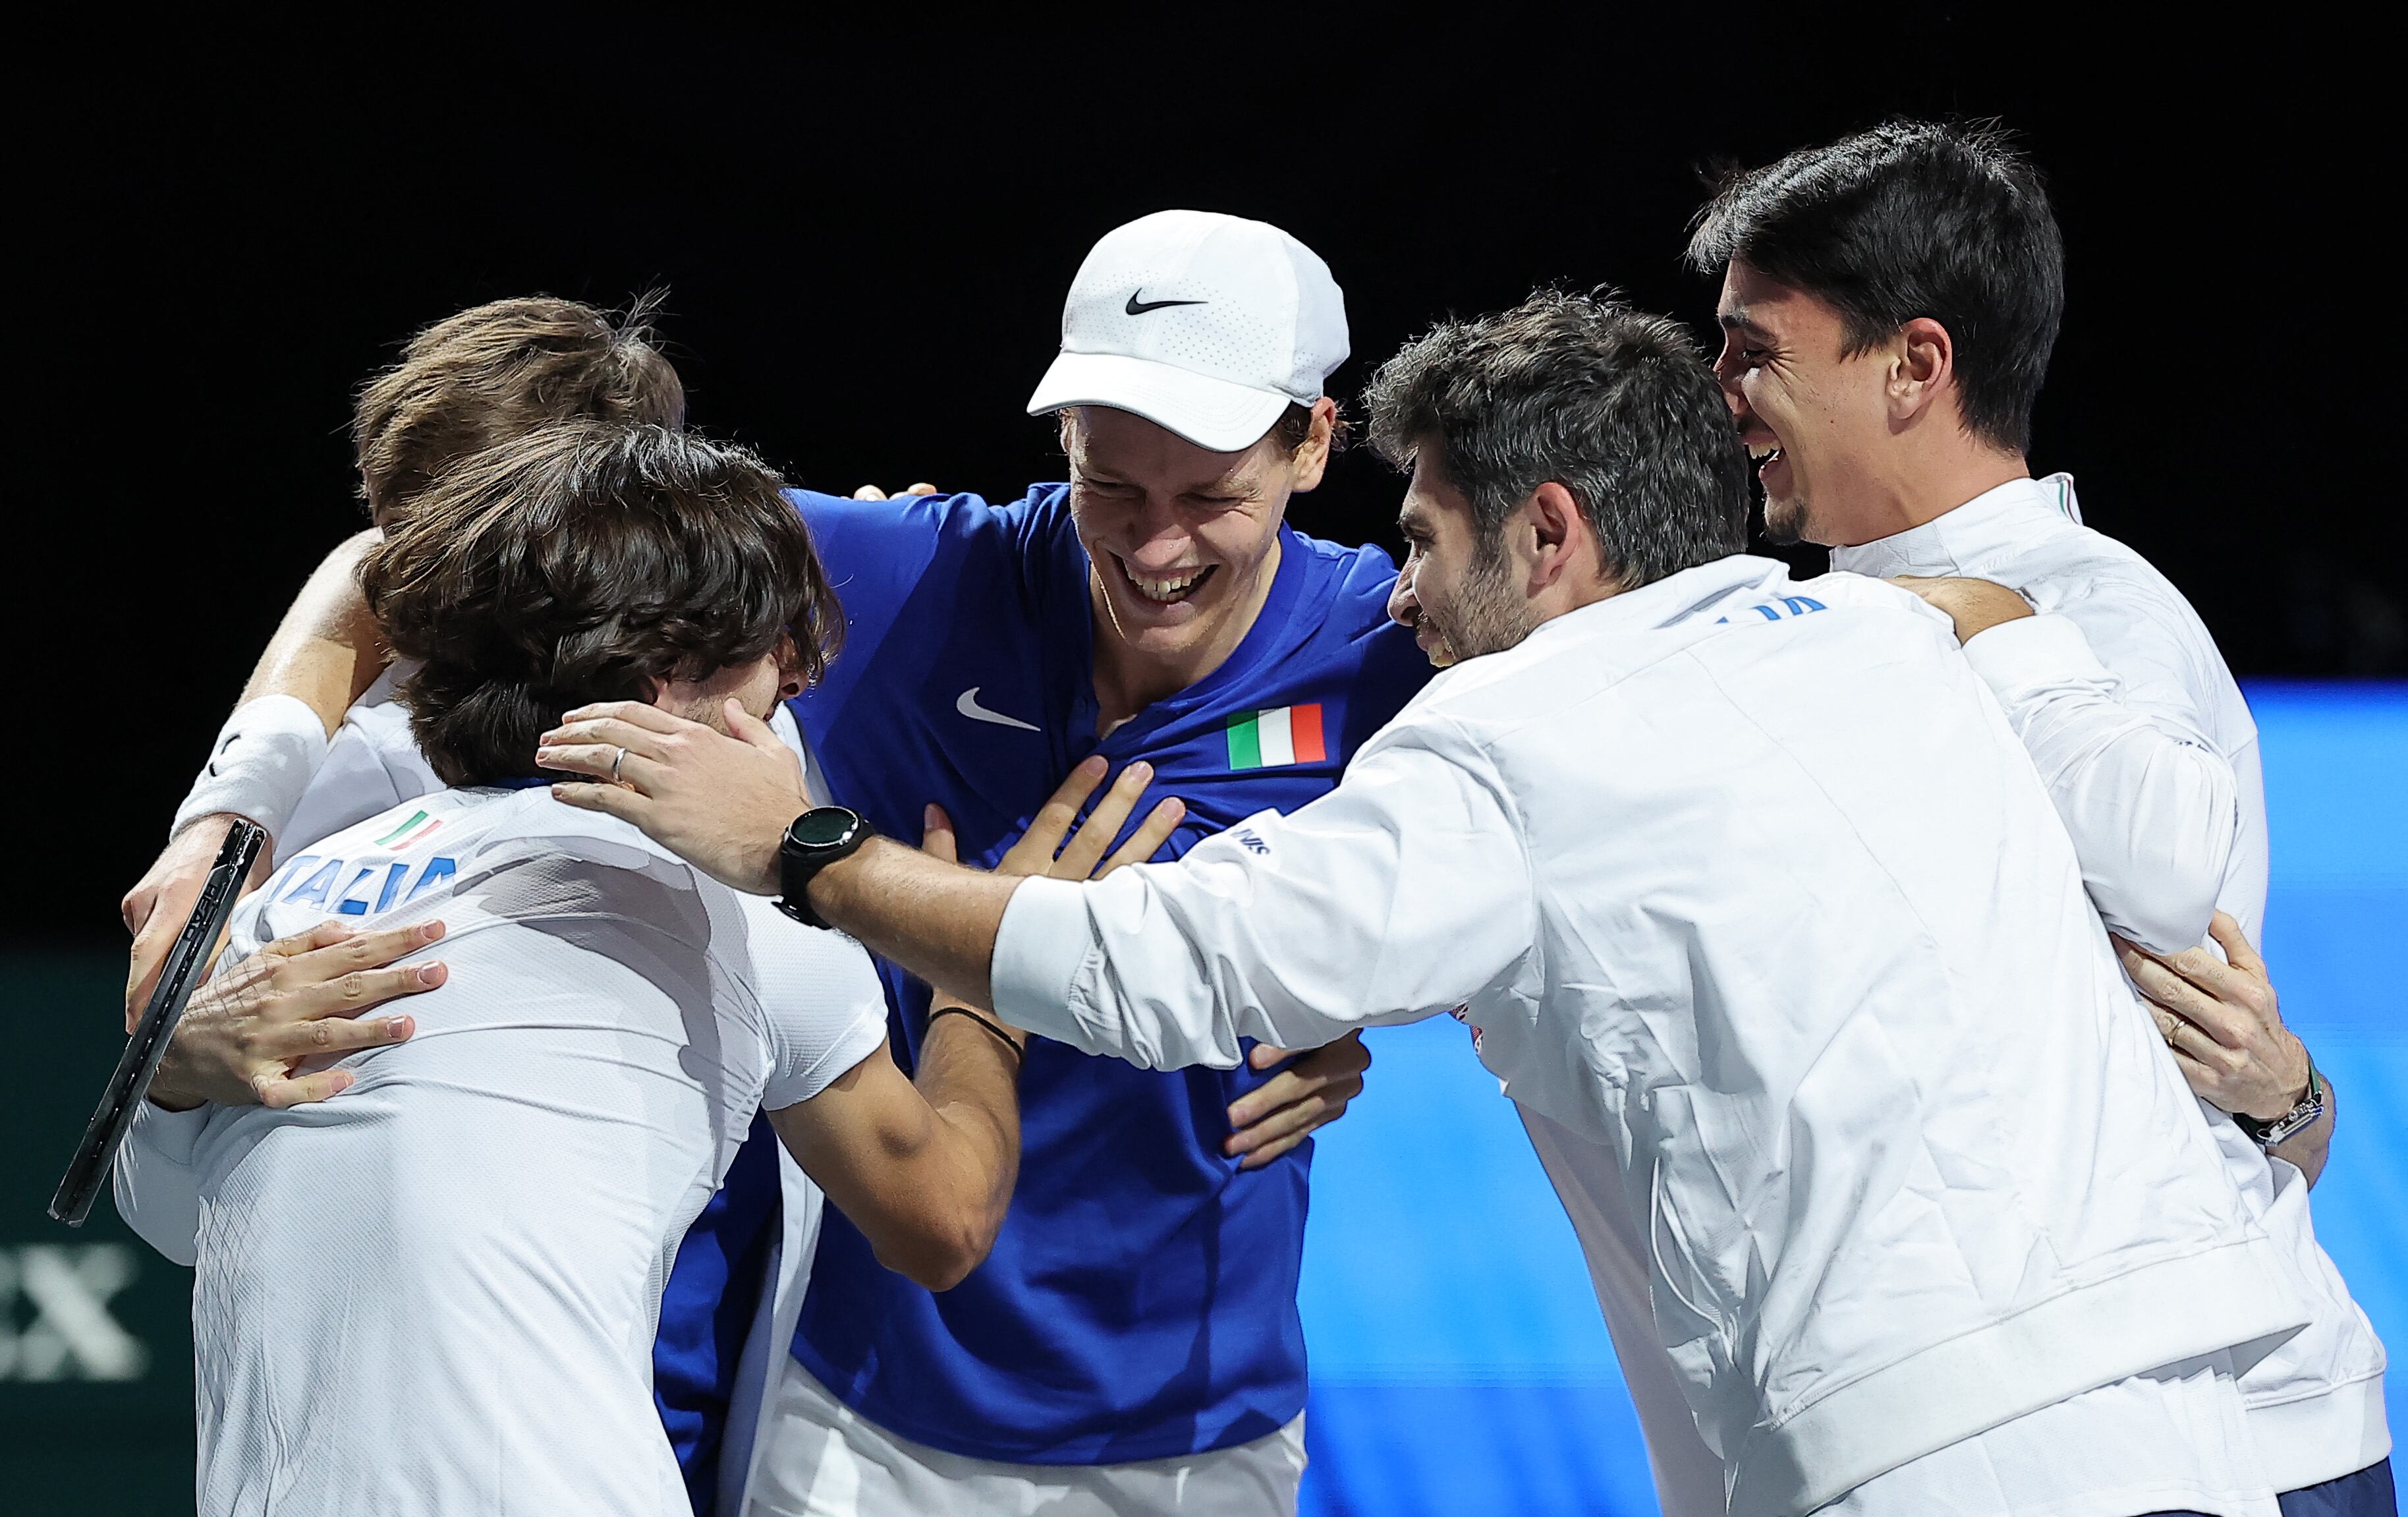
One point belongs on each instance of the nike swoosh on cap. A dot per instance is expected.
(969, 706)
(1139, 307)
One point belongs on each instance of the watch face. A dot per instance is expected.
(822, 827)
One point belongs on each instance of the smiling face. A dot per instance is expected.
(1455, 595)
(1816, 418)
(1183, 541)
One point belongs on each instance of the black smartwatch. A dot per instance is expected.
(815, 840)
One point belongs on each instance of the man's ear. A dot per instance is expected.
(790, 672)
(1923, 369)
(1311, 457)
(1562, 537)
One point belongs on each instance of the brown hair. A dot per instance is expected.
(575, 564)
(496, 370)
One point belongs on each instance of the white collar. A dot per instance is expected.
(1667, 601)
(1995, 521)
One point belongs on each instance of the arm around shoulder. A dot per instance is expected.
(327, 650)
(2152, 807)
(322, 656)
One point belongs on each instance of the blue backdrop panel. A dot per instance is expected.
(1458, 1360)
(2336, 759)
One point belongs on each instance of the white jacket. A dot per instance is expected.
(1747, 884)
(2151, 755)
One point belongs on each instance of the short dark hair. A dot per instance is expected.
(1913, 219)
(572, 564)
(496, 370)
(1614, 404)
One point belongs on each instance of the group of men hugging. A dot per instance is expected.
(766, 1002)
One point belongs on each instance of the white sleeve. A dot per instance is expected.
(156, 1186)
(1403, 893)
(821, 1003)
(2152, 807)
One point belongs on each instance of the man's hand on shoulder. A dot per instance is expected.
(155, 910)
(871, 492)
(721, 804)
(1974, 605)
(248, 1031)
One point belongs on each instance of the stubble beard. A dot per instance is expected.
(1786, 520)
(1489, 617)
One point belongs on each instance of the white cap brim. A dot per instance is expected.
(1216, 415)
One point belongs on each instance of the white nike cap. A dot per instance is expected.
(1210, 325)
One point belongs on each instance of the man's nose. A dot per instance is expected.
(1728, 377)
(1159, 541)
(1403, 608)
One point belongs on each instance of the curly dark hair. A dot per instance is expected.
(1614, 404)
(575, 564)
(496, 370)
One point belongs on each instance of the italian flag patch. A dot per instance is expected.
(412, 831)
(1282, 735)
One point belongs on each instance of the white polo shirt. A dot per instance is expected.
(438, 1294)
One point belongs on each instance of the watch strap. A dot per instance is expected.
(799, 864)
(795, 901)
(2268, 1134)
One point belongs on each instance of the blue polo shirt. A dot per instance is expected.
(1141, 1300)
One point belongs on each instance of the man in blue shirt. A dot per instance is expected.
(1133, 1343)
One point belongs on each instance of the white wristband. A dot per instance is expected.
(263, 759)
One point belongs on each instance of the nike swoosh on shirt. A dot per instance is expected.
(1139, 307)
(969, 706)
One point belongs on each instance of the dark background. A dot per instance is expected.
(865, 242)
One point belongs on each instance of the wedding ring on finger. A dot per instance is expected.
(616, 759)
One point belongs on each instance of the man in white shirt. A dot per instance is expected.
(317, 742)
(438, 1294)
(1743, 883)
(1888, 305)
